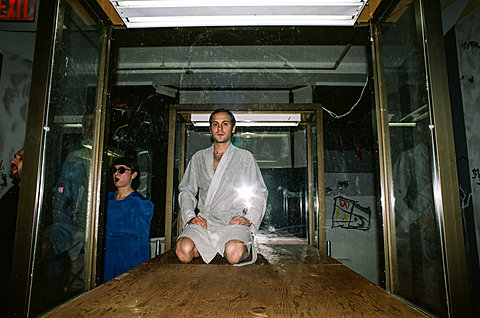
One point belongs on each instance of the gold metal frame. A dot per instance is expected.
(311, 184)
(385, 165)
(32, 185)
(308, 108)
(51, 15)
(448, 200)
(93, 213)
(321, 213)
(446, 193)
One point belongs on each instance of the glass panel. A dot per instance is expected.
(60, 243)
(251, 69)
(281, 154)
(419, 275)
(138, 128)
(353, 218)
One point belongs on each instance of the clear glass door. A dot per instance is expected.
(417, 271)
(61, 235)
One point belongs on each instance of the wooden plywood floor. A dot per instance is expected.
(286, 281)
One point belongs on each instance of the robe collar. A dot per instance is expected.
(218, 174)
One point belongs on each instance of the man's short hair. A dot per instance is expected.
(133, 165)
(223, 110)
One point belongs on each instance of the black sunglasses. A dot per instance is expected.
(121, 170)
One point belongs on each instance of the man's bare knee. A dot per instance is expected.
(185, 249)
(235, 251)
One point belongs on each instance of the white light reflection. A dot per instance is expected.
(246, 193)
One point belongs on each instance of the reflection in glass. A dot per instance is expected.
(264, 70)
(281, 156)
(138, 128)
(419, 273)
(60, 244)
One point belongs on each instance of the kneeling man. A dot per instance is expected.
(232, 198)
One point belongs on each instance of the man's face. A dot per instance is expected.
(16, 165)
(221, 128)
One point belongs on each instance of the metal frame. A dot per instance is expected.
(32, 186)
(181, 170)
(51, 15)
(320, 208)
(385, 165)
(321, 213)
(311, 225)
(446, 196)
(448, 200)
(94, 196)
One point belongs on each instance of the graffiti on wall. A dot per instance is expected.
(470, 45)
(14, 97)
(476, 175)
(349, 214)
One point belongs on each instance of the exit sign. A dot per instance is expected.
(17, 10)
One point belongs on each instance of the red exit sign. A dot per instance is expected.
(17, 10)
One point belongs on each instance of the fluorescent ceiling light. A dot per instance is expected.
(254, 124)
(188, 13)
(258, 119)
(268, 123)
(230, 3)
(401, 124)
(248, 134)
(190, 21)
(109, 152)
(72, 125)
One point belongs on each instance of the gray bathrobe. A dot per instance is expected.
(236, 188)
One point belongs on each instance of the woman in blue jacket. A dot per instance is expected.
(129, 217)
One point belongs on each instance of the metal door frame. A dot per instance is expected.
(447, 198)
(320, 191)
(31, 194)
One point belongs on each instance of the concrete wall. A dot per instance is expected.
(17, 46)
(16, 50)
(468, 50)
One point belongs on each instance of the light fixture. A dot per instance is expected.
(72, 121)
(229, 3)
(401, 124)
(252, 119)
(110, 153)
(72, 125)
(189, 13)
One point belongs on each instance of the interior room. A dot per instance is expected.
(345, 115)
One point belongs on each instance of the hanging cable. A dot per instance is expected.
(351, 109)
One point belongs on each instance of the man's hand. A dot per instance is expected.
(199, 221)
(240, 220)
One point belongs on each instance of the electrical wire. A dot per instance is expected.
(331, 113)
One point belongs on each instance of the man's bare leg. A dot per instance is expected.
(186, 250)
(235, 251)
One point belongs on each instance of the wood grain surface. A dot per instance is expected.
(159, 288)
